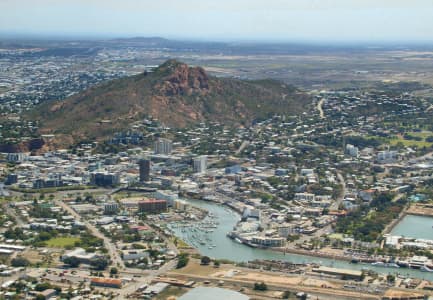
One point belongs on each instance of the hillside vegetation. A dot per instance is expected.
(175, 94)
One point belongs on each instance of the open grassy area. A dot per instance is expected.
(62, 242)
(413, 143)
(180, 244)
(393, 141)
(406, 143)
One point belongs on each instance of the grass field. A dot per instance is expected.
(412, 143)
(409, 143)
(393, 141)
(62, 242)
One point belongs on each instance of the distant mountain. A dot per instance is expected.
(174, 93)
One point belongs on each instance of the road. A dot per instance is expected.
(320, 108)
(242, 146)
(149, 276)
(62, 194)
(3, 192)
(340, 198)
(112, 251)
(11, 212)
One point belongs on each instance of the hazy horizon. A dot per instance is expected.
(329, 21)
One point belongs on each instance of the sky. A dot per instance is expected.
(230, 20)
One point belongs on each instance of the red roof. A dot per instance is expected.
(139, 228)
(106, 281)
(152, 201)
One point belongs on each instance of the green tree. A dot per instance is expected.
(114, 271)
(99, 263)
(205, 260)
(182, 260)
(42, 286)
(19, 262)
(72, 261)
(260, 286)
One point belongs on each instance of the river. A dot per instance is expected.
(227, 248)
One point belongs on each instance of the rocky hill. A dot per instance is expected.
(174, 93)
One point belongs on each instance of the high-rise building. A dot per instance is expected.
(144, 165)
(352, 150)
(104, 179)
(163, 146)
(199, 164)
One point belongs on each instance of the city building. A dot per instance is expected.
(163, 146)
(106, 282)
(16, 157)
(144, 165)
(305, 197)
(104, 179)
(111, 208)
(152, 206)
(11, 179)
(233, 169)
(81, 255)
(181, 205)
(199, 164)
(268, 241)
(352, 150)
(387, 156)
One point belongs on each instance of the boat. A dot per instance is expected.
(403, 263)
(426, 269)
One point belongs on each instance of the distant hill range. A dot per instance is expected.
(174, 93)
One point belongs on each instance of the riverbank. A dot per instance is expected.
(395, 222)
(316, 253)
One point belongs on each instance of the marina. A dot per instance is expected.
(213, 242)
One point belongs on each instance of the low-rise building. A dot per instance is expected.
(152, 206)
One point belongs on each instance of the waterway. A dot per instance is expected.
(419, 227)
(227, 248)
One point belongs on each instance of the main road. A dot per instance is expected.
(112, 250)
(340, 197)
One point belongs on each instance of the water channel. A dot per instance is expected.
(419, 227)
(216, 244)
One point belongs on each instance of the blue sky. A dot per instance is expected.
(268, 20)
